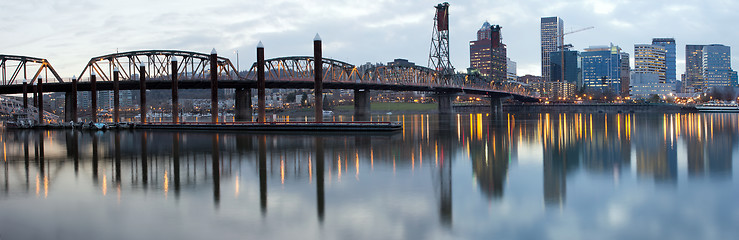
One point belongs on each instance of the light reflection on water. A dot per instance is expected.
(605, 176)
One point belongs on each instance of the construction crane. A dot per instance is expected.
(562, 47)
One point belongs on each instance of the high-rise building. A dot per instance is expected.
(105, 100)
(693, 68)
(601, 68)
(649, 58)
(512, 75)
(717, 66)
(670, 57)
(644, 85)
(572, 67)
(488, 53)
(625, 74)
(552, 29)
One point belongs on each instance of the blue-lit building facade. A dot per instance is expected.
(572, 67)
(601, 68)
(670, 57)
(717, 66)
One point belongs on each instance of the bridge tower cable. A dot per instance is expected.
(439, 52)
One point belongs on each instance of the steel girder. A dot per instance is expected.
(190, 65)
(21, 64)
(300, 68)
(407, 75)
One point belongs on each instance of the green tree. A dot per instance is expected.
(290, 97)
(654, 98)
(304, 99)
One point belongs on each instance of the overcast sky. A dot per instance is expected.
(70, 32)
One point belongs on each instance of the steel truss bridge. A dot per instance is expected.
(193, 69)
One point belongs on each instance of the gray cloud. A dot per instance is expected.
(70, 32)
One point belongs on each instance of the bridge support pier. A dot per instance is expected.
(243, 104)
(361, 104)
(93, 97)
(40, 101)
(25, 95)
(70, 103)
(318, 77)
(142, 93)
(496, 105)
(445, 102)
(260, 83)
(214, 86)
(175, 92)
(116, 96)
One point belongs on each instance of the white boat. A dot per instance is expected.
(718, 107)
(327, 113)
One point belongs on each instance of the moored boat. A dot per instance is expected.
(718, 107)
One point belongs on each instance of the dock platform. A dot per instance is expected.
(278, 126)
(242, 126)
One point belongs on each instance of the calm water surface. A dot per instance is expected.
(463, 176)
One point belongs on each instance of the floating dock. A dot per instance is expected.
(242, 126)
(278, 126)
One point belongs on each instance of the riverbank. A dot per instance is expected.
(398, 108)
(583, 108)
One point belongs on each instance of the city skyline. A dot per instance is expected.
(70, 33)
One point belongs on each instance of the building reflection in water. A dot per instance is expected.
(710, 141)
(491, 155)
(656, 151)
(601, 144)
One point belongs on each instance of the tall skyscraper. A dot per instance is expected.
(601, 68)
(693, 68)
(572, 67)
(552, 29)
(625, 74)
(649, 58)
(670, 57)
(717, 66)
(488, 53)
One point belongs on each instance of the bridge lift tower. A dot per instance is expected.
(439, 52)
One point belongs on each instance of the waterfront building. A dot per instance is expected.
(552, 29)
(670, 57)
(693, 68)
(717, 66)
(572, 67)
(625, 74)
(83, 100)
(601, 68)
(650, 58)
(511, 65)
(488, 53)
(105, 100)
(555, 90)
(645, 84)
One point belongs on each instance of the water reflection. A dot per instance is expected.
(412, 169)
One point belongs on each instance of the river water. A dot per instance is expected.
(461, 176)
